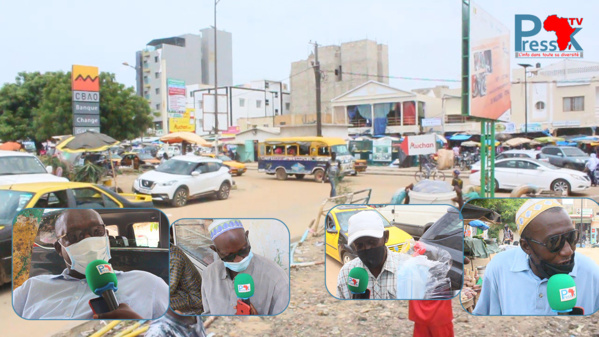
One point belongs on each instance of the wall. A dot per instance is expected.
(338, 131)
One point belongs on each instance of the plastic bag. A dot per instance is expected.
(424, 275)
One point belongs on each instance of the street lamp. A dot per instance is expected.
(525, 65)
(139, 85)
(215, 82)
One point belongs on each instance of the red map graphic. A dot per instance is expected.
(562, 29)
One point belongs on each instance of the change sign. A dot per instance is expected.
(417, 145)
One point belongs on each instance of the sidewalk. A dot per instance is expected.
(386, 170)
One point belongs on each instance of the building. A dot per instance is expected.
(182, 58)
(246, 106)
(343, 67)
(562, 97)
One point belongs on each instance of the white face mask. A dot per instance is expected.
(86, 251)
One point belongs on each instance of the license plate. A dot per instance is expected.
(144, 191)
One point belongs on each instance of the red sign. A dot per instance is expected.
(416, 145)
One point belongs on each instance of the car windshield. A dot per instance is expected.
(20, 165)
(573, 152)
(340, 150)
(224, 158)
(14, 202)
(449, 223)
(175, 166)
(343, 219)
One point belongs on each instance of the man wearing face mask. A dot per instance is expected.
(232, 245)
(367, 236)
(515, 281)
(82, 238)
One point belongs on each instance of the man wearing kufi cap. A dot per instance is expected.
(367, 237)
(515, 281)
(231, 243)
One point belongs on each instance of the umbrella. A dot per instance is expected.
(10, 146)
(550, 139)
(516, 141)
(88, 141)
(470, 143)
(179, 137)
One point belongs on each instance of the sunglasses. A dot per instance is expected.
(75, 236)
(243, 252)
(555, 243)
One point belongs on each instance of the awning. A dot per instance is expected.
(460, 137)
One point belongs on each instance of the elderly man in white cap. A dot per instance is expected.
(271, 283)
(515, 281)
(367, 236)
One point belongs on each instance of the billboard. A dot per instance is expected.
(85, 85)
(489, 66)
(419, 145)
(184, 123)
(176, 95)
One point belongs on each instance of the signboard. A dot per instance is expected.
(184, 123)
(208, 112)
(431, 122)
(417, 145)
(505, 127)
(85, 85)
(381, 150)
(489, 68)
(176, 95)
(534, 127)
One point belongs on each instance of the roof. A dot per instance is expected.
(274, 130)
(15, 153)
(46, 186)
(326, 140)
(196, 159)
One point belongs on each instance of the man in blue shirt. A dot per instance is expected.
(515, 281)
(82, 238)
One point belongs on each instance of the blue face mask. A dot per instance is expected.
(241, 265)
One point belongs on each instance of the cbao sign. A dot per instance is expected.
(417, 145)
(85, 85)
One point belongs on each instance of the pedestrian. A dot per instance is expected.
(332, 172)
(431, 318)
(457, 181)
(590, 168)
(508, 235)
(164, 157)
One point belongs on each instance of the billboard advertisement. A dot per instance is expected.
(184, 123)
(176, 95)
(489, 68)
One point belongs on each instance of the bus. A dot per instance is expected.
(299, 156)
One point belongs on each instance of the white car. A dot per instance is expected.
(513, 172)
(21, 167)
(185, 177)
(171, 151)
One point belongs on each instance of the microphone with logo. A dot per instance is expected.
(561, 295)
(244, 288)
(357, 283)
(102, 281)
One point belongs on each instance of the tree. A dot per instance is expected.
(39, 106)
(507, 208)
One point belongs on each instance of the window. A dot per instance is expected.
(157, 75)
(304, 149)
(551, 151)
(527, 165)
(147, 234)
(266, 85)
(158, 106)
(267, 102)
(507, 164)
(574, 103)
(213, 167)
(287, 105)
(268, 150)
(91, 198)
(147, 96)
(258, 103)
(194, 239)
(242, 102)
(56, 199)
(201, 168)
(157, 91)
(279, 149)
(276, 112)
(323, 151)
(540, 105)
(113, 230)
(276, 95)
(292, 150)
(155, 59)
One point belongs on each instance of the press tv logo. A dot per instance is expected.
(558, 40)
(567, 294)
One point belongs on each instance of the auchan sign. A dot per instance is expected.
(417, 145)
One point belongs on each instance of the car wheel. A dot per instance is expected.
(560, 185)
(281, 174)
(180, 197)
(299, 176)
(319, 176)
(355, 173)
(223, 191)
(346, 258)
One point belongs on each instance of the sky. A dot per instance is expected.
(268, 35)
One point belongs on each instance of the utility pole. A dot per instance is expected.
(215, 83)
(318, 107)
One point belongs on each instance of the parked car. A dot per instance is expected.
(171, 151)
(532, 154)
(139, 240)
(185, 177)
(448, 233)
(565, 156)
(336, 225)
(513, 172)
(413, 219)
(139, 160)
(236, 167)
(17, 197)
(22, 167)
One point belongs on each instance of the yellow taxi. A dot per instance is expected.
(336, 226)
(235, 167)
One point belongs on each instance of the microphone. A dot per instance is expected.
(561, 294)
(244, 288)
(357, 283)
(102, 281)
